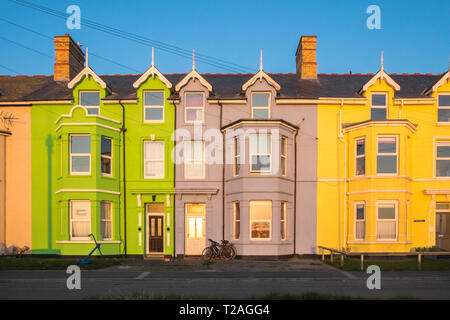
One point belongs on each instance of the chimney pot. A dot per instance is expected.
(69, 58)
(305, 58)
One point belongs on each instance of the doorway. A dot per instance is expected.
(195, 228)
(443, 226)
(155, 228)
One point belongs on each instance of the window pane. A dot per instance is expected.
(106, 210)
(260, 113)
(387, 164)
(379, 100)
(443, 168)
(264, 143)
(360, 230)
(386, 212)
(386, 230)
(153, 98)
(444, 100)
(260, 230)
(443, 206)
(260, 210)
(378, 114)
(194, 100)
(154, 169)
(80, 209)
(237, 146)
(237, 211)
(443, 151)
(80, 144)
(237, 229)
(261, 163)
(443, 115)
(106, 165)
(260, 99)
(360, 147)
(93, 110)
(81, 229)
(80, 163)
(387, 145)
(106, 146)
(154, 114)
(194, 114)
(360, 212)
(361, 166)
(90, 98)
(283, 146)
(154, 150)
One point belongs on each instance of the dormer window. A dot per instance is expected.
(444, 108)
(378, 103)
(153, 106)
(261, 105)
(194, 107)
(91, 101)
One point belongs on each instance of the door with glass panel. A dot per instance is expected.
(443, 226)
(155, 228)
(195, 228)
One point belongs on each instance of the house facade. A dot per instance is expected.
(156, 164)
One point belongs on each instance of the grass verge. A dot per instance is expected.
(354, 264)
(25, 263)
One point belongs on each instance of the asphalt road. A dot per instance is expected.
(223, 280)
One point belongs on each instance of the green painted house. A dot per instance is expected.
(102, 166)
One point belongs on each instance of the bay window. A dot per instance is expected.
(80, 219)
(106, 220)
(80, 154)
(360, 157)
(387, 155)
(260, 153)
(386, 220)
(360, 221)
(106, 156)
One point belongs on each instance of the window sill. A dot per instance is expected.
(87, 241)
(379, 242)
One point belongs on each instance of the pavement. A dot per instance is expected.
(237, 279)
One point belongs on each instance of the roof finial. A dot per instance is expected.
(382, 67)
(193, 59)
(87, 57)
(261, 62)
(153, 56)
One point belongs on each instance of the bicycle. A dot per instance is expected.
(217, 250)
(231, 246)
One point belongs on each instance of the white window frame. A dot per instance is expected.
(441, 107)
(71, 220)
(107, 220)
(388, 154)
(361, 156)
(106, 157)
(260, 220)
(437, 143)
(283, 157)
(235, 220)
(189, 161)
(90, 107)
(379, 107)
(186, 108)
(72, 173)
(153, 107)
(262, 108)
(163, 173)
(356, 204)
(387, 202)
(260, 154)
(236, 155)
(283, 229)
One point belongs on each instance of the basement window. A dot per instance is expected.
(91, 101)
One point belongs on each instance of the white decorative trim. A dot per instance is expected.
(378, 123)
(87, 124)
(381, 191)
(87, 190)
(193, 75)
(86, 72)
(436, 191)
(87, 241)
(441, 81)
(382, 76)
(87, 115)
(260, 75)
(152, 71)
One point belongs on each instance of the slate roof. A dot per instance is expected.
(225, 86)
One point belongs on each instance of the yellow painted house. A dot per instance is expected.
(384, 164)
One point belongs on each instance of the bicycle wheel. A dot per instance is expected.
(226, 252)
(234, 252)
(207, 254)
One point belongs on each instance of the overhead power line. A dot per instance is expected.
(216, 62)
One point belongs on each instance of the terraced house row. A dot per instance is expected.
(155, 164)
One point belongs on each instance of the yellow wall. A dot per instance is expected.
(18, 178)
(416, 160)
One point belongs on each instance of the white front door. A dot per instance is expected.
(195, 228)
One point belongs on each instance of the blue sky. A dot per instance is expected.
(414, 35)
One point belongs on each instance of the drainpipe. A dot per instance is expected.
(223, 173)
(341, 138)
(123, 130)
(295, 189)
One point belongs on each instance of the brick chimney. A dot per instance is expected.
(69, 58)
(305, 57)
